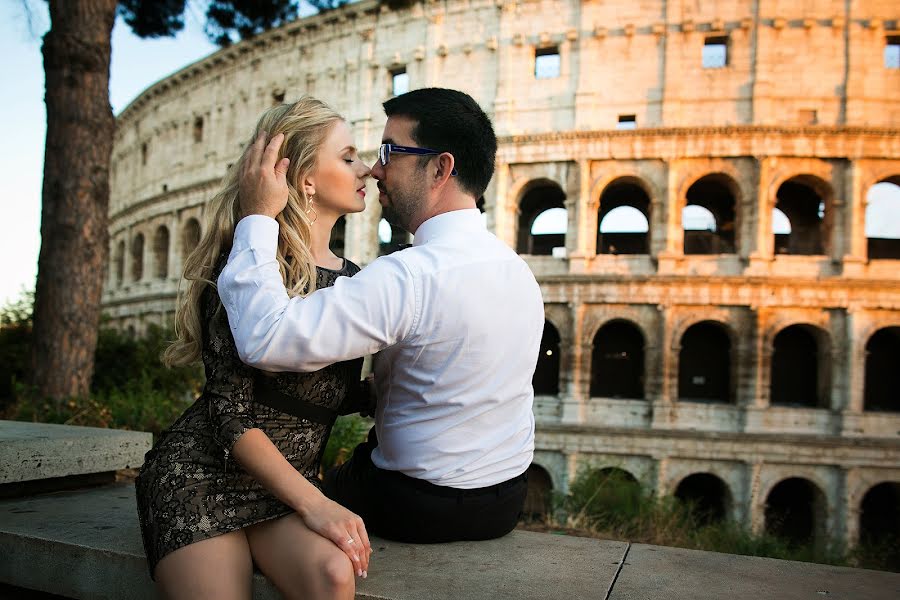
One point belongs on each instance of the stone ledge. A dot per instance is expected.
(31, 451)
(86, 544)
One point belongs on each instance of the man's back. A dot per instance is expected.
(455, 396)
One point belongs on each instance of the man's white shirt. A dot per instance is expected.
(456, 321)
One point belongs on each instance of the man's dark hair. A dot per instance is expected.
(451, 121)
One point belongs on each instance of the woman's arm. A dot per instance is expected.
(261, 459)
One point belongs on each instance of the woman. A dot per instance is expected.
(233, 482)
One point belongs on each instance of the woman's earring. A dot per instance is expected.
(311, 209)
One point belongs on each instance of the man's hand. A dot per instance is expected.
(264, 189)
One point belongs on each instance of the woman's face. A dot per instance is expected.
(339, 177)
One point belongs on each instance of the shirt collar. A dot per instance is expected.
(468, 219)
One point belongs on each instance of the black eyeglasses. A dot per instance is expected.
(385, 151)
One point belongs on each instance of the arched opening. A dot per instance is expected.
(137, 257)
(781, 228)
(338, 234)
(882, 385)
(540, 493)
(617, 361)
(190, 237)
(161, 252)
(707, 496)
(883, 219)
(708, 217)
(119, 264)
(546, 375)
(390, 238)
(879, 517)
(704, 364)
(796, 511)
(800, 367)
(623, 231)
(540, 232)
(608, 496)
(803, 200)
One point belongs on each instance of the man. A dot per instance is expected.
(456, 320)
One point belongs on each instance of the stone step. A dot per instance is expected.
(38, 451)
(86, 544)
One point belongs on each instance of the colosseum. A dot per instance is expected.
(706, 191)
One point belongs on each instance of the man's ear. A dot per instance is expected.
(444, 164)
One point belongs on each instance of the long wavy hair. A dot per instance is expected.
(305, 125)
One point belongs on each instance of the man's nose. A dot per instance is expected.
(377, 170)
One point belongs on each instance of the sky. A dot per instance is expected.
(136, 64)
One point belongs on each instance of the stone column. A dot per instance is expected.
(672, 252)
(505, 211)
(856, 247)
(664, 402)
(757, 504)
(578, 390)
(763, 252)
(174, 264)
(578, 243)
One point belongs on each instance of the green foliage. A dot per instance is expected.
(609, 504)
(131, 388)
(348, 431)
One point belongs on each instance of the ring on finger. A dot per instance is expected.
(350, 541)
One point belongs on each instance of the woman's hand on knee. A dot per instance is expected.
(346, 529)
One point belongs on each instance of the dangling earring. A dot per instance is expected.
(311, 209)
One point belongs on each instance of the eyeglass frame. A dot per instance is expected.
(385, 150)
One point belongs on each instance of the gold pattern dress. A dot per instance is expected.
(190, 488)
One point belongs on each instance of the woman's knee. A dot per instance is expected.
(338, 571)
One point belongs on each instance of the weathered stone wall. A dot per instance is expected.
(803, 99)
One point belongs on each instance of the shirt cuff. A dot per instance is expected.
(256, 232)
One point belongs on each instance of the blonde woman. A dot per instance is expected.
(233, 482)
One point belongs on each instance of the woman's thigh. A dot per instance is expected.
(219, 567)
(300, 562)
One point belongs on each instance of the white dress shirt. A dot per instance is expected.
(456, 320)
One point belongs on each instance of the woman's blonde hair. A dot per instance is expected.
(305, 125)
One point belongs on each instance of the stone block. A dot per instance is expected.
(32, 451)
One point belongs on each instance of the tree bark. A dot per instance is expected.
(74, 235)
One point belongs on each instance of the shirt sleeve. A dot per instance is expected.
(356, 316)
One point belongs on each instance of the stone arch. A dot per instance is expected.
(624, 191)
(882, 378)
(535, 198)
(720, 194)
(886, 245)
(540, 492)
(708, 495)
(546, 373)
(796, 509)
(800, 373)
(161, 252)
(879, 516)
(190, 237)
(807, 201)
(398, 237)
(705, 365)
(617, 360)
(137, 257)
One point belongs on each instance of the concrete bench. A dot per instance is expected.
(86, 544)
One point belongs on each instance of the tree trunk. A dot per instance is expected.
(74, 235)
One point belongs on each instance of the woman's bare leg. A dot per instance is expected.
(300, 562)
(217, 568)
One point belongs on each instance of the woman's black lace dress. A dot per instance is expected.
(190, 488)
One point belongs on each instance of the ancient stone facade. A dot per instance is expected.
(749, 363)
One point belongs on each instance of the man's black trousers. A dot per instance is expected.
(398, 507)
